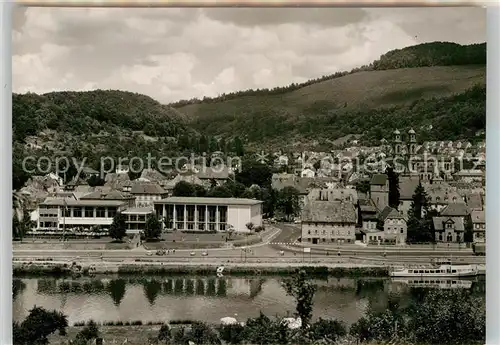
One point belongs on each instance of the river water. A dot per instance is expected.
(206, 299)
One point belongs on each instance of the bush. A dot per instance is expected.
(90, 331)
(328, 330)
(165, 334)
(232, 334)
(259, 228)
(201, 333)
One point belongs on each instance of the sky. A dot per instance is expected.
(172, 54)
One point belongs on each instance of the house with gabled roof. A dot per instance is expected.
(390, 228)
(379, 190)
(328, 222)
(147, 193)
(478, 220)
(448, 229)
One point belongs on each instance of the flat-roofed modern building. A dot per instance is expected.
(55, 214)
(209, 214)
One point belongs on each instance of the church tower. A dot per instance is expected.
(413, 142)
(398, 145)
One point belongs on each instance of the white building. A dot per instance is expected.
(57, 214)
(209, 214)
(146, 193)
(308, 172)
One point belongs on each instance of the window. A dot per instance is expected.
(308, 232)
(201, 226)
(111, 212)
(89, 212)
(448, 225)
(402, 231)
(101, 212)
(77, 212)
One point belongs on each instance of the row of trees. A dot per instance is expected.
(425, 317)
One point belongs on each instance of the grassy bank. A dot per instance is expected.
(54, 269)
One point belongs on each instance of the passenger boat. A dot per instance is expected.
(436, 283)
(437, 270)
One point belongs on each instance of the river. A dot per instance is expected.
(206, 299)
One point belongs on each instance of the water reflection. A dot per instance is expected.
(205, 298)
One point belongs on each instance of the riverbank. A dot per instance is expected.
(130, 335)
(52, 268)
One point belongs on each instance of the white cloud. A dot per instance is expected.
(172, 54)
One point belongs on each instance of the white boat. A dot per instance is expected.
(446, 270)
(436, 283)
(220, 269)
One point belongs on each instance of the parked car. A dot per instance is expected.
(192, 253)
(149, 253)
(204, 254)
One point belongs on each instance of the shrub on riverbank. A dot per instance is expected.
(33, 269)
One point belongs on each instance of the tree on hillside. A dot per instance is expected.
(118, 228)
(287, 202)
(183, 188)
(152, 230)
(302, 289)
(199, 191)
(253, 172)
(237, 189)
(238, 147)
(220, 192)
(95, 180)
(420, 217)
(394, 194)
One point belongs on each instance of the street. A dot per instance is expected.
(277, 246)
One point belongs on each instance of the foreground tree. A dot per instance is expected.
(117, 230)
(152, 230)
(38, 325)
(301, 288)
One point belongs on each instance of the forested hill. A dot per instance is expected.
(421, 55)
(438, 88)
(91, 112)
(432, 54)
